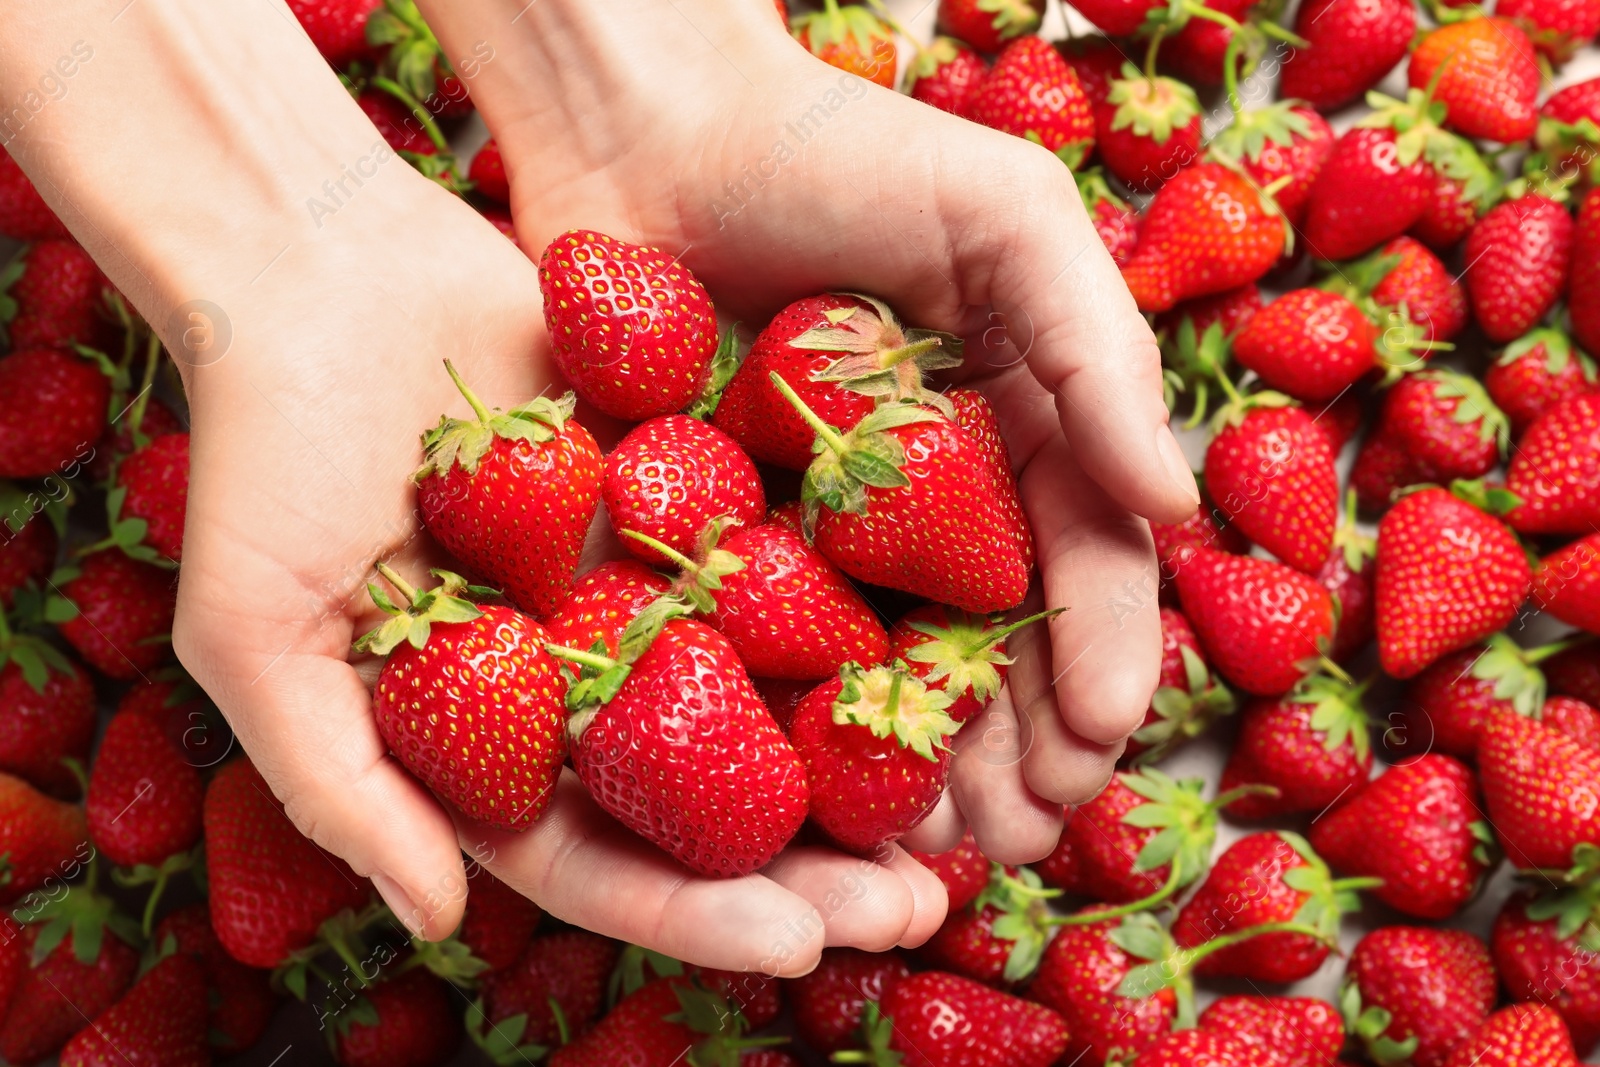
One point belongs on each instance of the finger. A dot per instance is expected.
(930, 901)
(1010, 822)
(583, 867)
(942, 830)
(863, 903)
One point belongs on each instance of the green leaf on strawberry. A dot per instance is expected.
(424, 607)
(892, 702)
(1368, 1025)
(463, 442)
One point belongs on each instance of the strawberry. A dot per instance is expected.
(1558, 28)
(1454, 203)
(1382, 469)
(1097, 61)
(1446, 424)
(782, 696)
(977, 419)
(1351, 45)
(1530, 771)
(1556, 470)
(661, 1024)
(946, 75)
(161, 1020)
(1372, 188)
(1414, 994)
(632, 329)
(828, 1002)
(1567, 584)
(1229, 311)
(1150, 130)
(337, 27)
(961, 654)
(144, 802)
(1177, 544)
(135, 429)
(1081, 976)
(1535, 372)
(1542, 946)
(1260, 880)
(1113, 218)
(498, 922)
(999, 938)
(488, 173)
(1312, 345)
(1348, 574)
(603, 603)
(1188, 696)
(24, 216)
(530, 475)
(1199, 50)
(1573, 717)
(1575, 672)
(40, 838)
(50, 295)
(270, 887)
(1408, 277)
(1447, 704)
(1427, 544)
(851, 38)
(1313, 746)
(874, 746)
(1032, 93)
(1517, 260)
(1487, 78)
(566, 971)
(1522, 1035)
(70, 983)
(963, 870)
(407, 1020)
(155, 480)
(722, 805)
(1569, 121)
(803, 345)
(943, 1020)
(987, 25)
(1417, 827)
(47, 714)
(409, 54)
(398, 125)
(1271, 472)
(1281, 140)
(1583, 288)
(1208, 230)
(123, 613)
(1279, 1031)
(27, 544)
(1117, 18)
(245, 1003)
(1261, 623)
(56, 406)
(1197, 1048)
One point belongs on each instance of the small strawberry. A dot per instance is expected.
(977, 419)
(24, 216)
(1583, 288)
(498, 922)
(1199, 52)
(672, 740)
(1081, 976)
(1455, 203)
(1117, 18)
(1556, 470)
(1279, 1031)
(999, 938)
(1530, 772)
(1517, 260)
(398, 126)
(1281, 140)
(1348, 574)
(851, 38)
(1351, 45)
(28, 543)
(270, 887)
(245, 1002)
(1573, 717)
(1113, 218)
(55, 409)
(488, 173)
(1313, 746)
(1487, 78)
(943, 1020)
(603, 603)
(1197, 1048)
(51, 295)
(987, 25)
(1428, 544)
(1447, 704)
(47, 713)
(1446, 424)
(1523, 1035)
(559, 975)
(1535, 372)
(1413, 994)
(1406, 276)
(337, 27)
(136, 428)
(874, 746)
(961, 654)
(1208, 230)
(1188, 696)
(144, 801)
(40, 838)
(1543, 949)
(1032, 93)
(511, 494)
(1382, 469)
(1312, 345)
(1263, 625)
(155, 480)
(74, 978)
(827, 1003)
(963, 870)
(161, 1020)
(663, 1023)
(123, 616)
(946, 75)
(1373, 187)
(407, 1020)
(1150, 129)
(1097, 61)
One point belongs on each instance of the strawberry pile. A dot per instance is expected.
(817, 555)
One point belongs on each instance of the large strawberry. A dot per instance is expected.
(1374, 185)
(55, 409)
(73, 979)
(144, 800)
(1485, 71)
(956, 651)
(1148, 129)
(1279, 1031)
(337, 27)
(1313, 345)
(672, 740)
(1523, 1035)
(270, 887)
(1449, 574)
(1530, 772)
(946, 74)
(1555, 470)
(40, 838)
(24, 215)
(1351, 45)
(874, 743)
(54, 297)
(1445, 422)
(603, 603)
(1313, 746)
(977, 419)
(161, 1020)
(1544, 951)
(510, 494)
(1031, 92)
(1405, 274)
(963, 870)
(851, 38)
(1583, 288)
(1535, 372)
(934, 1019)
(245, 1001)
(559, 976)
(1081, 976)
(155, 483)
(1188, 696)
(1412, 994)
(1558, 28)
(47, 713)
(1188, 1048)
(987, 25)
(1447, 704)
(1517, 260)
(468, 700)
(407, 1018)
(1208, 230)
(1282, 140)
(827, 1003)
(1263, 625)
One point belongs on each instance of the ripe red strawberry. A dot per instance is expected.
(1447, 705)
(1530, 773)
(977, 419)
(999, 938)
(1556, 470)
(850, 38)
(946, 75)
(1177, 544)
(47, 714)
(1281, 140)
(40, 838)
(1261, 623)
(1148, 129)
(132, 431)
(1523, 1035)
(1569, 121)
(658, 1025)
(632, 329)
(1567, 584)
(1081, 976)
(24, 216)
(1200, 45)
(1229, 311)
(1271, 472)
(1097, 61)
(1310, 344)
(1405, 272)
(963, 870)
(245, 1003)
(1348, 574)
(566, 970)
(1208, 230)
(396, 123)
(161, 1020)
(1117, 18)
(1427, 544)
(987, 25)
(1538, 946)
(498, 922)
(943, 1020)
(1420, 829)
(488, 173)
(603, 603)
(1372, 188)
(1188, 697)
(408, 1020)
(1446, 424)
(1517, 260)
(1535, 372)
(1491, 85)
(1113, 218)
(144, 801)
(270, 887)
(962, 654)
(1557, 27)
(1032, 93)
(1573, 717)
(828, 1002)
(66, 988)
(1262, 879)
(56, 406)
(54, 297)
(511, 494)
(1314, 746)
(1455, 204)
(874, 746)
(27, 544)
(156, 481)
(1382, 468)
(1416, 993)
(723, 805)
(1197, 1048)
(1352, 45)
(337, 27)
(1279, 1031)
(1583, 288)
(124, 611)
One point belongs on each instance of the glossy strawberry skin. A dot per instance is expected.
(1530, 771)
(417, 1024)
(1583, 288)
(1118, 227)
(42, 838)
(1438, 985)
(245, 1003)
(488, 173)
(1433, 298)
(161, 1020)
(156, 478)
(977, 419)
(687, 757)
(1556, 27)
(1032, 92)
(1523, 1035)
(144, 801)
(964, 871)
(58, 299)
(1356, 595)
(1491, 87)
(117, 442)
(827, 1003)
(1301, 160)
(1536, 964)
(1353, 45)
(1528, 380)
(1364, 195)
(1309, 343)
(1196, 1048)
(641, 1029)
(1279, 1031)
(1556, 470)
(125, 608)
(38, 729)
(1445, 706)
(337, 27)
(1567, 584)
(1272, 473)
(952, 83)
(1140, 160)
(1105, 847)
(1078, 977)
(1177, 544)
(942, 1020)
(60, 994)
(1518, 256)
(603, 602)
(1278, 746)
(988, 26)
(56, 406)
(570, 968)
(27, 550)
(24, 216)
(1448, 216)
(1444, 423)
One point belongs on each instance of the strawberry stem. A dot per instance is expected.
(583, 659)
(1188, 958)
(478, 407)
(401, 585)
(989, 638)
(672, 554)
(1175, 881)
(1150, 57)
(828, 434)
(1555, 648)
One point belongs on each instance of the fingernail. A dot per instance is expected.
(399, 901)
(1179, 472)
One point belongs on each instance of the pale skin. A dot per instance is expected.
(182, 155)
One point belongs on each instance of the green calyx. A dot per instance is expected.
(1337, 712)
(1241, 404)
(1012, 18)
(1358, 548)
(1021, 898)
(464, 442)
(1183, 713)
(1195, 362)
(966, 653)
(600, 677)
(880, 357)
(1420, 134)
(1186, 821)
(1328, 900)
(1402, 343)
(725, 363)
(1093, 188)
(709, 1013)
(414, 622)
(1472, 405)
(1357, 278)
(503, 1041)
(1251, 131)
(1514, 672)
(1370, 1025)
(835, 25)
(1151, 106)
(414, 53)
(1490, 499)
(892, 702)
(1574, 904)
(1558, 352)
(9, 276)
(450, 959)
(877, 1033)
(698, 578)
(35, 657)
(157, 877)
(82, 912)
(126, 533)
